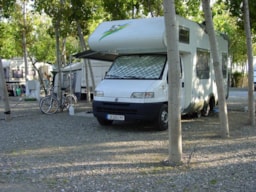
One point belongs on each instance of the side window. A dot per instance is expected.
(17, 73)
(224, 64)
(202, 64)
(184, 34)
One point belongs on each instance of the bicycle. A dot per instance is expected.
(50, 104)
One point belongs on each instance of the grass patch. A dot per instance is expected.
(30, 99)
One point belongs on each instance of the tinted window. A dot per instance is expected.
(202, 65)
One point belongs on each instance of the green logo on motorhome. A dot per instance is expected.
(112, 30)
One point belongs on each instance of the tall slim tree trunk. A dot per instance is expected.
(63, 52)
(57, 37)
(224, 125)
(3, 90)
(247, 28)
(86, 63)
(24, 42)
(174, 116)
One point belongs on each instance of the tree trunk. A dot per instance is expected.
(3, 90)
(63, 52)
(174, 116)
(40, 77)
(57, 37)
(24, 40)
(223, 114)
(39, 74)
(86, 63)
(247, 28)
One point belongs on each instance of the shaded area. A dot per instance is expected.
(73, 153)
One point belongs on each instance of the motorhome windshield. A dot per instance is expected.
(137, 67)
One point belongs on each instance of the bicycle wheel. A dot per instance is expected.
(49, 105)
(69, 100)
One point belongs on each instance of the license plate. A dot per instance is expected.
(115, 117)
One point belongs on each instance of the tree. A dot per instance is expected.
(77, 14)
(5, 7)
(57, 10)
(247, 28)
(7, 40)
(226, 23)
(217, 70)
(174, 118)
(24, 38)
(7, 44)
(236, 9)
(246, 21)
(83, 11)
(41, 44)
(4, 93)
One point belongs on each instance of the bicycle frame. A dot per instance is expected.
(51, 103)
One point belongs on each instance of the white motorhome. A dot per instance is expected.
(136, 85)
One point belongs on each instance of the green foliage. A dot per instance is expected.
(237, 79)
(121, 9)
(7, 42)
(189, 9)
(153, 8)
(67, 14)
(42, 45)
(226, 23)
(88, 14)
(6, 7)
(127, 9)
(236, 9)
(213, 182)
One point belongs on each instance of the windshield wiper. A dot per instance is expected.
(133, 77)
(113, 77)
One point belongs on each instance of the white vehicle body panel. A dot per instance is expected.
(147, 37)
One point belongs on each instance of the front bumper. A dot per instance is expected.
(130, 111)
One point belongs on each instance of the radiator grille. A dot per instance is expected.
(116, 108)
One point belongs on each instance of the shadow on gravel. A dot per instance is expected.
(74, 153)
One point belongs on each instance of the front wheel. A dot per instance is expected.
(206, 110)
(162, 120)
(49, 105)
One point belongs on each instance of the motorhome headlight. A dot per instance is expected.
(99, 93)
(141, 95)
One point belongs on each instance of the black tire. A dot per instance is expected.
(206, 110)
(104, 122)
(212, 104)
(161, 123)
(49, 105)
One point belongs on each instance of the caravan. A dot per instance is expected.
(136, 85)
(74, 77)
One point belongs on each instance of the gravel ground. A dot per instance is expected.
(63, 153)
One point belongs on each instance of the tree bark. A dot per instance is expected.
(223, 113)
(174, 116)
(247, 28)
(24, 42)
(87, 63)
(3, 90)
(57, 37)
